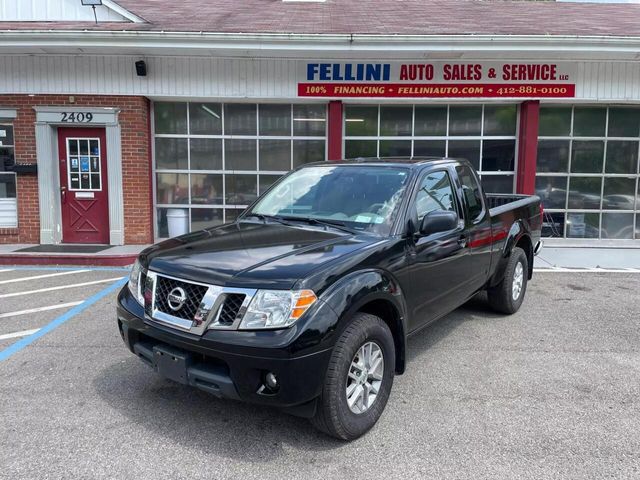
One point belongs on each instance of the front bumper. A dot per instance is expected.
(228, 364)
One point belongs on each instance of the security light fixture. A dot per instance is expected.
(141, 68)
(92, 4)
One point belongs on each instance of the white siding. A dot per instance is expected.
(54, 10)
(200, 77)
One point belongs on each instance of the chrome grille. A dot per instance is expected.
(195, 294)
(230, 308)
(205, 306)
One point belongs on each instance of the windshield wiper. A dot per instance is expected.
(327, 223)
(265, 218)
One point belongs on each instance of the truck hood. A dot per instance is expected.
(251, 254)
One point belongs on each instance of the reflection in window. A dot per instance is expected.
(552, 191)
(209, 156)
(602, 197)
(554, 121)
(589, 121)
(275, 155)
(205, 119)
(467, 150)
(622, 156)
(553, 156)
(170, 118)
(396, 121)
(435, 193)
(309, 120)
(430, 121)
(171, 153)
(585, 192)
(308, 151)
(465, 120)
(240, 154)
(583, 225)
(206, 153)
(240, 119)
(587, 156)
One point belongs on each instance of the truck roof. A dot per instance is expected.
(400, 161)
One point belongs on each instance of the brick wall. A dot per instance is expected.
(136, 163)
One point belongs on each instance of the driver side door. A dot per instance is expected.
(438, 262)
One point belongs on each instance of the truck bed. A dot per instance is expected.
(502, 202)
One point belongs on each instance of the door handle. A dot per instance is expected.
(63, 194)
(462, 241)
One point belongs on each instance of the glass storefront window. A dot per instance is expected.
(275, 120)
(361, 121)
(483, 134)
(465, 121)
(8, 194)
(624, 122)
(309, 121)
(205, 119)
(240, 119)
(554, 121)
(212, 159)
(587, 156)
(308, 151)
(170, 118)
(206, 153)
(553, 156)
(396, 121)
(622, 156)
(500, 119)
(171, 153)
(587, 172)
(589, 121)
(430, 121)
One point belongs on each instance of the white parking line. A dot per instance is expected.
(2, 270)
(585, 270)
(39, 309)
(36, 277)
(61, 287)
(23, 333)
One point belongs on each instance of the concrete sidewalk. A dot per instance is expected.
(554, 256)
(14, 254)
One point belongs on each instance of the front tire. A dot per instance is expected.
(508, 295)
(358, 380)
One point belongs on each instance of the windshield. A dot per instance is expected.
(362, 198)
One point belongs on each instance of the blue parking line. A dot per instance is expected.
(26, 341)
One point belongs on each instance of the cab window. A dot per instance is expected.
(471, 191)
(434, 193)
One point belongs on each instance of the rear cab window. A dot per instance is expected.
(471, 192)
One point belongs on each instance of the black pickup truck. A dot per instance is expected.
(306, 301)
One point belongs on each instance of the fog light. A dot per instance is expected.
(271, 380)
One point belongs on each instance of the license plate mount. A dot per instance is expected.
(172, 363)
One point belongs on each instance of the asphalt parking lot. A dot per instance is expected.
(551, 392)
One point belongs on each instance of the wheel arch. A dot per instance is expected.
(374, 292)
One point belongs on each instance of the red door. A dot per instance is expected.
(83, 185)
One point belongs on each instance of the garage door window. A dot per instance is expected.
(212, 160)
(8, 197)
(587, 171)
(483, 134)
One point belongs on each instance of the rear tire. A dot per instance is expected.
(508, 295)
(358, 380)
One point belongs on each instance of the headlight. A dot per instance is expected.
(276, 308)
(134, 282)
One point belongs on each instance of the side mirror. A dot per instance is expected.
(438, 221)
